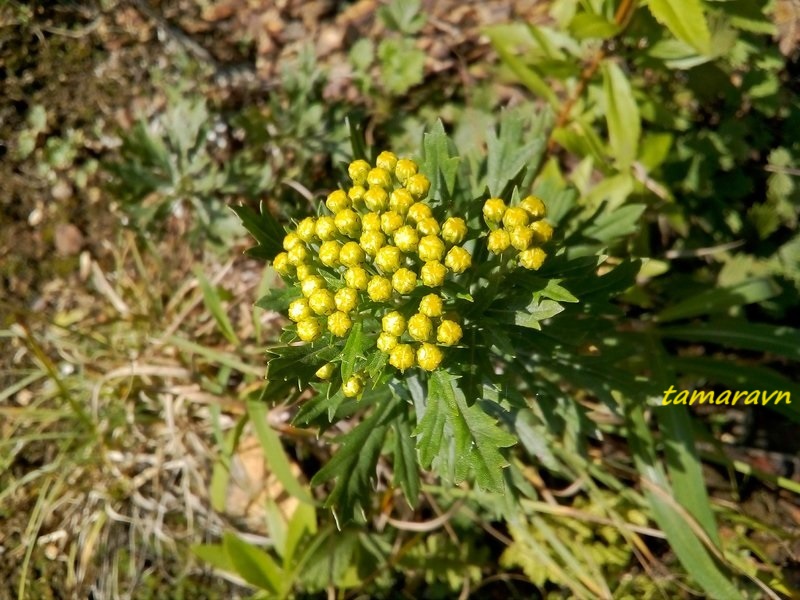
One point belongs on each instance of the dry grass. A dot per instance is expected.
(113, 387)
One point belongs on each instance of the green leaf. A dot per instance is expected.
(253, 564)
(721, 299)
(406, 474)
(402, 64)
(683, 540)
(213, 303)
(353, 465)
(509, 153)
(614, 224)
(353, 350)
(274, 453)
(264, 228)
(215, 555)
(278, 299)
(591, 26)
(622, 115)
(685, 19)
(302, 523)
(536, 311)
(777, 339)
(685, 468)
(477, 437)
(526, 75)
(403, 16)
(439, 163)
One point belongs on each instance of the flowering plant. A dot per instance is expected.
(417, 296)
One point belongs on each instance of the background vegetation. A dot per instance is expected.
(134, 458)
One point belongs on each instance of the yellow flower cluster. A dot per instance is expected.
(380, 242)
(519, 227)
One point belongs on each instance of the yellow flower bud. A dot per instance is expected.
(304, 271)
(356, 194)
(372, 241)
(418, 186)
(291, 240)
(299, 310)
(337, 200)
(515, 217)
(376, 199)
(534, 206)
(305, 229)
(351, 255)
(308, 330)
(401, 201)
(431, 305)
(388, 259)
(448, 333)
(346, 299)
(404, 281)
(379, 177)
(356, 278)
(393, 323)
(458, 259)
(532, 258)
(419, 212)
(311, 284)
(353, 387)
(429, 226)
(348, 222)
(386, 160)
(433, 273)
(325, 228)
(386, 342)
(406, 238)
(281, 264)
(404, 169)
(420, 327)
(430, 248)
(297, 255)
(371, 222)
(521, 237)
(326, 371)
(499, 241)
(429, 356)
(358, 170)
(494, 209)
(322, 302)
(379, 289)
(402, 357)
(454, 230)
(339, 324)
(391, 222)
(329, 253)
(542, 232)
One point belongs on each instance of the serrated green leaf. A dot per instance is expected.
(353, 350)
(718, 300)
(477, 437)
(685, 19)
(278, 299)
(439, 163)
(264, 228)
(402, 64)
(555, 291)
(509, 153)
(537, 311)
(353, 465)
(253, 564)
(622, 115)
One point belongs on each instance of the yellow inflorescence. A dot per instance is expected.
(378, 244)
(520, 228)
